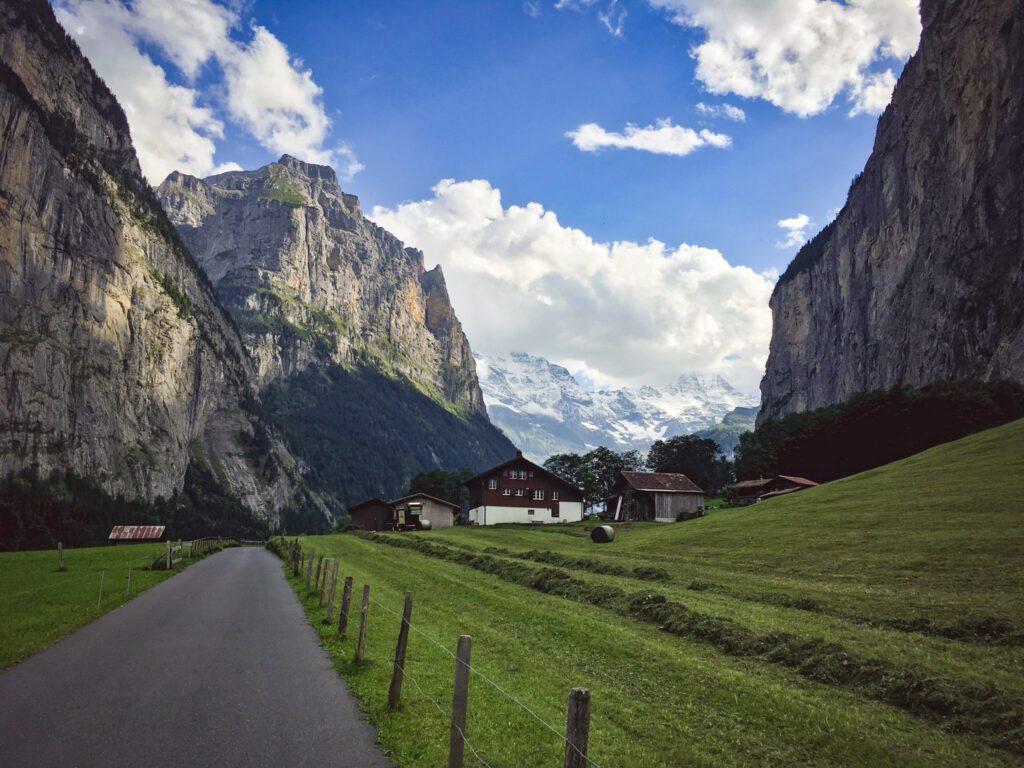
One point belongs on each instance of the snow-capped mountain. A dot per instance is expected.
(544, 410)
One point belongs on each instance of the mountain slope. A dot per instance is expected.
(919, 278)
(359, 352)
(117, 361)
(545, 411)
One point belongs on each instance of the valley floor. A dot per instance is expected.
(877, 620)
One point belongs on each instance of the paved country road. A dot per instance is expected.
(216, 666)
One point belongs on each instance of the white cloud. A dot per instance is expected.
(872, 95)
(625, 312)
(531, 8)
(264, 90)
(611, 15)
(662, 138)
(727, 111)
(799, 55)
(794, 230)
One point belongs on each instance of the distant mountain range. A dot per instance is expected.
(545, 411)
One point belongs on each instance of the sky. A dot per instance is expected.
(612, 184)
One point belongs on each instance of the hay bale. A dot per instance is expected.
(425, 525)
(602, 534)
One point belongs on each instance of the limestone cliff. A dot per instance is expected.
(310, 280)
(116, 360)
(921, 276)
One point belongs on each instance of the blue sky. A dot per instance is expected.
(554, 212)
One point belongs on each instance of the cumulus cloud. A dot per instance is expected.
(727, 111)
(799, 55)
(794, 230)
(663, 138)
(624, 312)
(175, 126)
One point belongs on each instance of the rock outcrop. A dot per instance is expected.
(116, 359)
(921, 276)
(310, 280)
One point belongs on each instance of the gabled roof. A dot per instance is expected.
(759, 483)
(136, 533)
(783, 492)
(519, 460)
(799, 480)
(456, 507)
(367, 503)
(661, 482)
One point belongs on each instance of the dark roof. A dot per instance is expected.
(136, 533)
(519, 459)
(662, 482)
(783, 492)
(367, 503)
(799, 480)
(759, 483)
(426, 496)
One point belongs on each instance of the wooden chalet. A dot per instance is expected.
(661, 496)
(750, 491)
(519, 491)
(136, 534)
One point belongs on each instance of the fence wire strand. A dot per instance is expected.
(488, 680)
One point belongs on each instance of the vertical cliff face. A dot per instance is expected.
(116, 360)
(921, 276)
(310, 280)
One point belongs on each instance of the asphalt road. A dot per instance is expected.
(216, 666)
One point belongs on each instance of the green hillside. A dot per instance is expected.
(877, 620)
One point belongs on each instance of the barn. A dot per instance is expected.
(136, 534)
(423, 506)
(372, 515)
(750, 491)
(662, 496)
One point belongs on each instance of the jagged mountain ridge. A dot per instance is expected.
(117, 360)
(310, 281)
(545, 411)
(920, 277)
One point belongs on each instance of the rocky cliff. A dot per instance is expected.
(117, 361)
(310, 280)
(921, 276)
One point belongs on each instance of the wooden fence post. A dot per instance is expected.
(168, 555)
(100, 598)
(361, 645)
(319, 567)
(577, 728)
(346, 602)
(460, 702)
(309, 567)
(60, 556)
(398, 673)
(128, 589)
(323, 582)
(330, 599)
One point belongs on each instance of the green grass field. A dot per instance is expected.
(877, 620)
(39, 604)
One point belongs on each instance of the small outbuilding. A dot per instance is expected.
(372, 515)
(750, 491)
(422, 506)
(136, 534)
(661, 496)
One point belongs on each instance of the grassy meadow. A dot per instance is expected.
(40, 604)
(877, 620)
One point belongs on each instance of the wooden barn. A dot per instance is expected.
(661, 496)
(423, 506)
(750, 491)
(372, 515)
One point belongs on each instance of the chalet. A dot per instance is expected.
(404, 513)
(662, 496)
(520, 491)
(750, 491)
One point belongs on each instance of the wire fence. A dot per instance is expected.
(575, 743)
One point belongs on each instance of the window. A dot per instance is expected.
(554, 495)
(538, 495)
(519, 492)
(554, 512)
(522, 474)
(531, 473)
(492, 484)
(529, 511)
(506, 491)
(504, 473)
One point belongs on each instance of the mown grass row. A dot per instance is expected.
(546, 557)
(960, 706)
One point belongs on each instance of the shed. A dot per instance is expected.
(372, 515)
(661, 496)
(423, 506)
(749, 491)
(136, 534)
